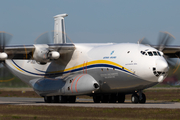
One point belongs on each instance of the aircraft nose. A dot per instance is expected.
(161, 65)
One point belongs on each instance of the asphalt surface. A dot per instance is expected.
(87, 103)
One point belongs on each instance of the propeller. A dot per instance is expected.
(164, 39)
(43, 38)
(144, 41)
(4, 39)
(5, 75)
(48, 37)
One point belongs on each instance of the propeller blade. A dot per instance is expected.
(44, 38)
(164, 39)
(5, 74)
(48, 37)
(171, 61)
(1, 38)
(144, 41)
(4, 39)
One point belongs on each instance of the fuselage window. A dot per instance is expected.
(155, 53)
(150, 54)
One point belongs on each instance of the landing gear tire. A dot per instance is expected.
(105, 99)
(96, 98)
(47, 99)
(72, 99)
(67, 99)
(55, 99)
(143, 99)
(113, 98)
(121, 98)
(62, 99)
(134, 98)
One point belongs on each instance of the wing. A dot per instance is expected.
(171, 51)
(27, 51)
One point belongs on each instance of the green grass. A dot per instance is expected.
(165, 85)
(16, 117)
(7, 79)
(16, 82)
(175, 100)
(84, 113)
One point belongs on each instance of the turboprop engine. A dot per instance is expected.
(74, 85)
(42, 54)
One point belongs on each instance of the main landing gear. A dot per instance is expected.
(109, 98)
(120, 98)
(105, 98)
(60, 99)
(141, 98)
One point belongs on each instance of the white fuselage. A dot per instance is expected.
(116, 67)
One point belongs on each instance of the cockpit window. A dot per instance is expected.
(143, 52)
(150, 54)
(159, 54)
(155, 53)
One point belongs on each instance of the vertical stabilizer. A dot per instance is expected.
(59, 29)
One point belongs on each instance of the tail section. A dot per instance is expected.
(59, 29)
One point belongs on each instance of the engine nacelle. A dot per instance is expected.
(53, 55)
(3, 56)
(43, 55)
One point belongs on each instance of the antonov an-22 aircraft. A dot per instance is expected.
(107, 71)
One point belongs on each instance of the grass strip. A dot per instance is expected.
(74, 113)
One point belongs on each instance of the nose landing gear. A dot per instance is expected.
(134, 98)
(141, 98)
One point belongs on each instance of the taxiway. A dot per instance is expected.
(87, 103)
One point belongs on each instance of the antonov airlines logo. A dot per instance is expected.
(112, 52)
(110, 57)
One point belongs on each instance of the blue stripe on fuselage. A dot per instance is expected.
(74, 70)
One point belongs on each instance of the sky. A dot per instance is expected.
(92, 21)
